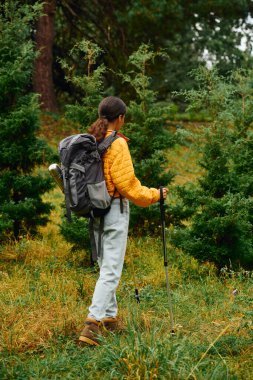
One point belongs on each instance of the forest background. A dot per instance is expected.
(191, 32)
(185, 71)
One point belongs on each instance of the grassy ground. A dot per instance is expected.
(45, 291)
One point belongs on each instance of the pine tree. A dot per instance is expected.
(21, 205)
(149, 139)
(89, 83)
(219, 208)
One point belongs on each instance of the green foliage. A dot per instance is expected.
(76, 232)
(219, 209)
(149, 139)
(184, 29)
(89, 81)
(21, 205)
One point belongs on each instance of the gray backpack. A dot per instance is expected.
(83, 178)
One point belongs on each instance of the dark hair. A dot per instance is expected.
(109, 109)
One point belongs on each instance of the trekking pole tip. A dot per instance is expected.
(136, 296)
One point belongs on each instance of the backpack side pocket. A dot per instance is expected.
(99, 195)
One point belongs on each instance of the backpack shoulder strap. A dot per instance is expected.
(106, 143)
(66, 193)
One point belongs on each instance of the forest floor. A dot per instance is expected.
(45, 290)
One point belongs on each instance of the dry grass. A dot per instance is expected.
(38, 292)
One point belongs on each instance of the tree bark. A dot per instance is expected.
(43, 70)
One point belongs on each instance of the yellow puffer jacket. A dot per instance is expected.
(119, 173)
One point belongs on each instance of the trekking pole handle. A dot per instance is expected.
(161, 195)
(162, 204)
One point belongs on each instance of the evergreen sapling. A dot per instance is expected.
(213, 220)
(149, 138)
(89, 82)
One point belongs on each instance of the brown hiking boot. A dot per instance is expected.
(90, 332)
(112, 324)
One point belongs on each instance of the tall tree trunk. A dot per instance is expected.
(43, 72)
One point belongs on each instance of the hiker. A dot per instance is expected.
(123, 186)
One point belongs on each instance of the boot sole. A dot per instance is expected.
(88, 341)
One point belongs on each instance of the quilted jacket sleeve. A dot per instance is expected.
(123, 177)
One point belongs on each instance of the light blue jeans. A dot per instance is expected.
(114, 241)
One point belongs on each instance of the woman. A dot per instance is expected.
(123, 186)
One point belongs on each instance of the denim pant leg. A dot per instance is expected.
(114, 241)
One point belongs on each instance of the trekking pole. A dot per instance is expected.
(136, 292)
(162, 209)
